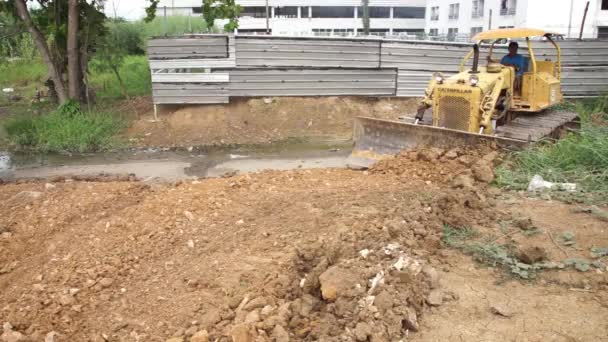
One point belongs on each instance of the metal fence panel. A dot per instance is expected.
(298, 66)
(298, 82)
(189, 48)
(260, 52)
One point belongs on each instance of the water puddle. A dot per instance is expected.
(168, 165)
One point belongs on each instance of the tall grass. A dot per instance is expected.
(22, 72)
(173, 25)
(65, 130)
(581, 157)
(134, 71)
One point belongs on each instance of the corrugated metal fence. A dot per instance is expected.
(212, 68)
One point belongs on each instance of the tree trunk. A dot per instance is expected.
(43, 48)
(74, 75)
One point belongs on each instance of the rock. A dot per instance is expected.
(435, 298)
(256, 303)
(410, 321)
(267, 310)
(466, 160)
(524, 223)
(242, 333)
(201, 336)
(209, 319)
(191, 331)
(463, 182)
(268, 100)
(430, 154)
(25, 197)
(279, 334)
(483, 172)
(106, 282)
(66, 300)
(451, 154)
(383, 301)
(51, 337)
(432, 276)
(337, 281)
(12, 336)
(253, 316)
(501, 310)
(175, 339)
(531, 255)
(49, 186)
(362, 331)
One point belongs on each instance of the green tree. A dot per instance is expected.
(65, 32)
(222, 9)
(212, 10)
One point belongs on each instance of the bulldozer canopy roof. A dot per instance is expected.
(510, 33)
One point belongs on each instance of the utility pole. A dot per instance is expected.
(267, 19)
(580, 36)
(570, 21)
(490, 20)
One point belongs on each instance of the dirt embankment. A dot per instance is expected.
(262, 120)
(308, 255)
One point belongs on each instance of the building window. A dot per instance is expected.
(433, 32)
(452, 33)
(435, 13)
(604, 5)
(376, 12)
(507, 7)
(286, 12)
(477, 9)
(454, 11)
(410, 12)
(333, 12)
(197, 10)
(304, 11)
(476, 30)
(602, 32)
(253, 12)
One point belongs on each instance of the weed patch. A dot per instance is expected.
(66, 129)
(581, 157)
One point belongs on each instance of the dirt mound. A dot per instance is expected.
(300, 255)
(263, 120)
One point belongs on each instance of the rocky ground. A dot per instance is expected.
(418, 248)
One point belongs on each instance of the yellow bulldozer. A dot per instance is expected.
(493, 102)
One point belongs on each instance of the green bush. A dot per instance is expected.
(65, 129)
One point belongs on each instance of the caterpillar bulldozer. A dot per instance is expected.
(480, 104)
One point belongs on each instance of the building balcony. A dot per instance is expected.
(477, 15)
(507, 11)
(453, 17)
(435, 17)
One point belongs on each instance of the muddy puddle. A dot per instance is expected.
(170, 165)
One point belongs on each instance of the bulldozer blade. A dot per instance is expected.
(376, 139)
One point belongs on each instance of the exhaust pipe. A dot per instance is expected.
(475, 59)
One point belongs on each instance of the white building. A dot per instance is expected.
(316, 17)
(460, 19)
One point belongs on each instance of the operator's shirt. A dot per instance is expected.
(515, 60)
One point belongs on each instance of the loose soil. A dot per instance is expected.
(307, 255)
(261, 120)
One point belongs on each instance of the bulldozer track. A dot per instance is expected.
(534, 127)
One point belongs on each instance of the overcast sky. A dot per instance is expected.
(128, 9)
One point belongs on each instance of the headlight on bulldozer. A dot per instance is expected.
(439, 78)
(474, 80)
